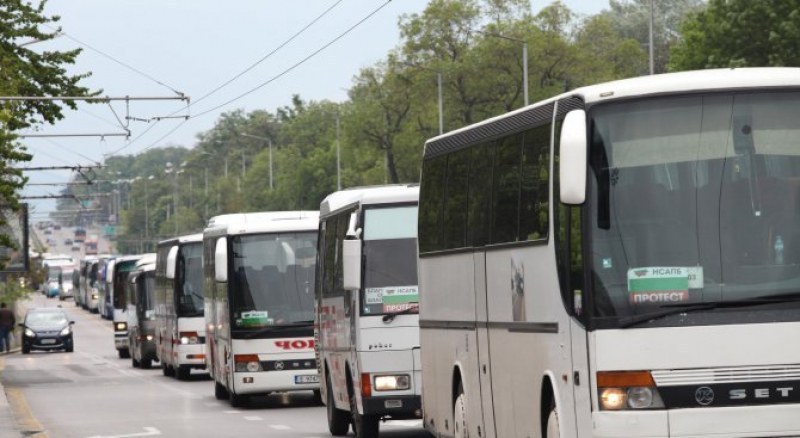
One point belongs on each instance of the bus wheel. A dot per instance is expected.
(460, 427)
(317, 397)
(364, 426)
(124, 353)
(238, 401)
(182, 372)
(338, 420)
(167, 370)
(135, 363)
(146, 363)
(220, 393)
(552, 429)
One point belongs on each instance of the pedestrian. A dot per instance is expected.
(7, 322)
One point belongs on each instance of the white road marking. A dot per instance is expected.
(233, 412)
(253, 418)
(148, 431)
(280, 427)
(405, 423)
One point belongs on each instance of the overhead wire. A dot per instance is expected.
(235, 77)
(297, 64)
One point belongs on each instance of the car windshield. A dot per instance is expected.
(390, 260)
(693, 199)
(273, 279)
(45, 319)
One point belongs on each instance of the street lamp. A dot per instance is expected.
(269, 141)
(524, 58)
(439, 84)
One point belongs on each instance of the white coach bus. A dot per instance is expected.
(622, 260)
(367, 308)
(259, 298)
(180, 325)
(116, 285)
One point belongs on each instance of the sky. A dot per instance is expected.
(193, 47)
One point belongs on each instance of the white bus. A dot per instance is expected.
(622, 260)
(116, 280)
(259, 299)
(140, 300)
(180, 326)
(367, 305)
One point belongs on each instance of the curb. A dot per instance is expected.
(8, 421)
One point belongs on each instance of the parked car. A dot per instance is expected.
(47, 329)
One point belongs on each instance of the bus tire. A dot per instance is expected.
(460, 425)
(182, 372)
(238, 401)
(338, 420)
(220, 393)
(317, 397)
(552, 427)
(124, 353)
(146, 364)
(364, 426)
(134, 362)
(167, 370)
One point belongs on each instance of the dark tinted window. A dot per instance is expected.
(455, 205)
(505, 193)
(534, 196)
(430, 210)
(480, 195)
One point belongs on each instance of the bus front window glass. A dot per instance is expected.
(694, 199)
(390, 260)
(123, 270)
(190, 276)
(272, 279)
(148, 294)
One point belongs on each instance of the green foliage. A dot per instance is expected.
(11, 290)
(739, 33)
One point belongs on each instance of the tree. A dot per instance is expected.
(738, 33)
(24, 72)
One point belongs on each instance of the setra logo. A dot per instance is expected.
(297, 344)
(704, 396)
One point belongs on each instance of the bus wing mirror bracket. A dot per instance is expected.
(221, 260)
(172, 257)
(351, 266)
(572, 160)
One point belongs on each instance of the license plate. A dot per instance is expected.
(306, 379)
(48, 341)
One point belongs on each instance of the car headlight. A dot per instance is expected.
(65, 331)
(392, 383)
(627, 390)
(29, 333)
(120, 326)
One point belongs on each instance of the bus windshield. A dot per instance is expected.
(121, 272)
(693, 199)
(189, 290)
(272, 281)
(390, 260)
(146, 285)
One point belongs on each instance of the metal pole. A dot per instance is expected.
(338, 157)
(191, 193)
(226, 167)
(270, 163)
(205, 200)
(146, 212)
(441, 103)
(175, 201)
(652, 66)
(525, 70)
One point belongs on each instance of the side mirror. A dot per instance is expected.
(351, 264)
(172, 257)
(572, 160)
(221, 260)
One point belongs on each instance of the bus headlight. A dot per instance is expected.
(247, 363)
(149, 337)
(392, 383)
(189, 338)
(94, 296)
(120, 326)
(620, 390)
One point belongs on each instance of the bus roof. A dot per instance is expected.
(145, 259)
(189, 238)
(264, 222)
(668, 83)
(385, 194)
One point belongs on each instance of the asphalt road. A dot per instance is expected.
(93, 393)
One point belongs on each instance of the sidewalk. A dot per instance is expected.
(8, 422)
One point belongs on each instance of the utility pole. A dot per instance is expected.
(652, 64)
(338, 156)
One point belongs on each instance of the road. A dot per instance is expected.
(92, 393)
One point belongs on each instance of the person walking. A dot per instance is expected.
(7, 322)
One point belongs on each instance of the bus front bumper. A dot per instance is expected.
(264, 382)
(190, 355)
(398, 407)
(781, 420)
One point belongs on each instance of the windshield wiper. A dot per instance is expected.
(677, 308)
(389, 317)
(276, 328)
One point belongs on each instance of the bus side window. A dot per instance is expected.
(480, 195)
(505, 199)
(534, 194)
(455, 204)
(430, 208)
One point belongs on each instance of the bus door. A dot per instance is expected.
(484, 363)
